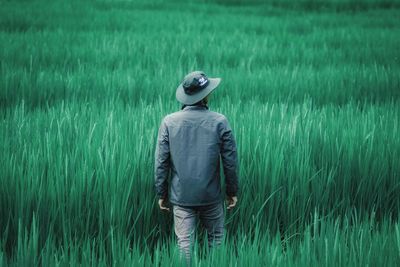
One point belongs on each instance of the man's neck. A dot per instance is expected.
(200, 104)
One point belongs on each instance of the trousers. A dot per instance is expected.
(185, 220)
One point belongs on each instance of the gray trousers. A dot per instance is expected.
(185, 220)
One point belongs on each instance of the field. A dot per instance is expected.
(311, 89)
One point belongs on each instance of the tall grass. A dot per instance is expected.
(81, 170)
(328, 246)
(312, 98)
(353, 246)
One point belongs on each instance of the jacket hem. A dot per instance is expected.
(195, 204)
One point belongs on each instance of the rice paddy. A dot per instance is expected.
(311, 91)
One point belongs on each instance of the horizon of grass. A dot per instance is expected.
(315, 5)
(91, 53)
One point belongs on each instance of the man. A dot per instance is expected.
(190, 145)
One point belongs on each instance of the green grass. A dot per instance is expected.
(311, 91)
(331, 244)
(94, 51)
(315, 5)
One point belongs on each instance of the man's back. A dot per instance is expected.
(190, 143)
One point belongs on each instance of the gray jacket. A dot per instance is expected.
(190, 144)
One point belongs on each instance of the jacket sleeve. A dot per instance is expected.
(162, 161)
(229, 159)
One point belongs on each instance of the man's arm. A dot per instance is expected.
(162, 162)
(229, 161)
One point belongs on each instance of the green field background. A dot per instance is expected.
(311, 89)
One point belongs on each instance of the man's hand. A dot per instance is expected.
(231, 201)
(163, 204)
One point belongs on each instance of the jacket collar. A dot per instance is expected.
(196, 107)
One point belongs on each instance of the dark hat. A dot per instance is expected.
(195, 86)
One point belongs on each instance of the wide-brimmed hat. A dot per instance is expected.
(195, 86)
